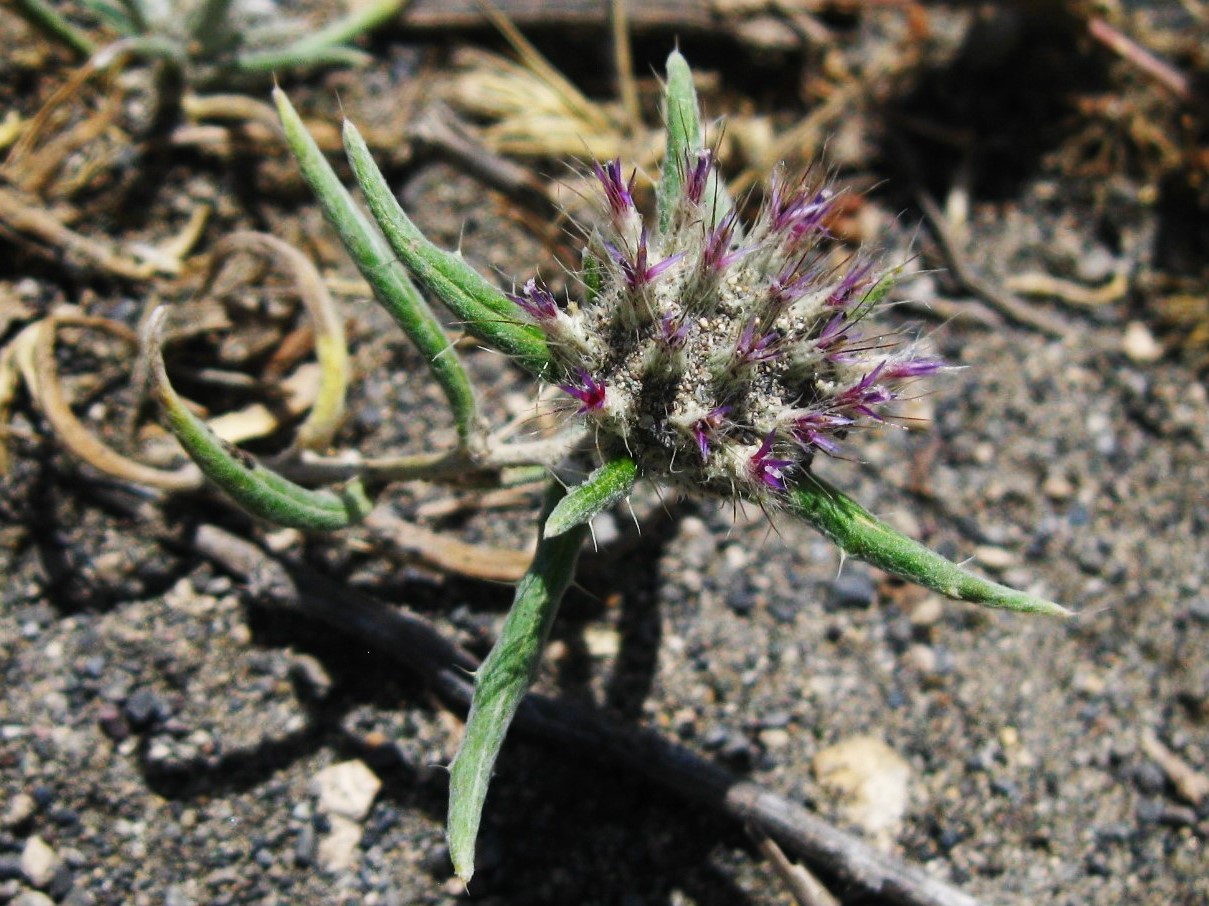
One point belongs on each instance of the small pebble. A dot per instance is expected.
(338, 848)
(346, 789)
(871, 780)
(306, 847)
(39, 862)
(921, 658)
(927, 612)
(993, 557)
(1058, 487)
(33, 898)
(602, 641)
(1139, 344)
(20, 809)
(1149, 778)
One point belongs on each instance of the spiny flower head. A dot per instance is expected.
(718, 354)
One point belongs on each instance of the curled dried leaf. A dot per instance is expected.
(34, 355)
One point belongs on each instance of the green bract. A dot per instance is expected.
(717, 355)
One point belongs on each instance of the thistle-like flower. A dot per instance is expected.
(722, 357)
(706, 352)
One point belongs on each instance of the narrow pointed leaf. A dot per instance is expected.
(258, 490)
(46, 19)
(682, 120)
(685, 136)
(486, 312)
(599, 491)
(861, 535)
(501, 683)
(382, 270)
(362, 19)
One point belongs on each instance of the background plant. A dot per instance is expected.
(212, 42)
(758, 353)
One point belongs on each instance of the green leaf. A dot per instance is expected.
(600, 490)
(211, 29)
(46, 19)
(362, 19)
(382, 270)
(258, 490)
(502, 681)
(682, 120)
(486, 312)
(861, 535)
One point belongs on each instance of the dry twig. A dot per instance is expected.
(1015, 310)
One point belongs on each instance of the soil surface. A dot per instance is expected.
(164, 730)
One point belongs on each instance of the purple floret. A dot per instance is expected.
(536, 301)
(637, 270)
(673, 331)
(589, 392)
(911, 368)
(696, 175)
(817, 430)
(856, 279)
(865, 394)
(755, 345)
(718, 255)
(706, 427)
(798, 212)
(764, 468)
(618, 192)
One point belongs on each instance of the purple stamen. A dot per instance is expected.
(798, 212)
(589, 392)
(754, 346)
(638, 272)
(855, 279)
(793, 282)
(814, 430)
(618, 192)
(718, 254)
(911, 368)
(536, 301)
(765, 469)
(865, 394)
(673, 331)
(696, 176)
(706, 426)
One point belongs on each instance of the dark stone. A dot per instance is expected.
(774, 720)
(143, 708)
(61, 882)
(1150, 811)
(854, 588)
(1119, 832)
(1148, 777)
(306, 847)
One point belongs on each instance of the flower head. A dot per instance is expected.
(730, 351)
